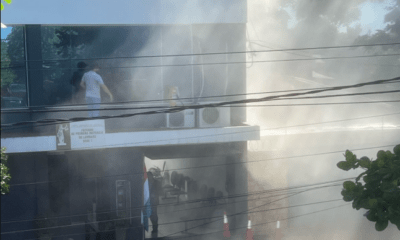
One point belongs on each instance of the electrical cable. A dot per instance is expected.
(176, 109)
(260, 211)
(234, 62)
(13, 232)
(126, 218)
(269, 191)
(261, 224)
(221, 53)
(14, 111)
(162, 213)
(255, 42)
(208, 166)
(263, 205)
(68, 235)
(187, 98)
(342, 95)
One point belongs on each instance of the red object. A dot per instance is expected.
(227, 233)
(249, 233)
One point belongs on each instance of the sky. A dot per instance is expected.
(372, 18)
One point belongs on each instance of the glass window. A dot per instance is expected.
(13, 75)
(113, 48)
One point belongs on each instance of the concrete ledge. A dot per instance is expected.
(142, 139)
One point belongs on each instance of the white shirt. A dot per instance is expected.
(92, 81)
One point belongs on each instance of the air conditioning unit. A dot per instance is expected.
(214, 116)
(182, 119)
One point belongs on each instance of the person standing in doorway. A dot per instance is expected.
(93, 82)
(77, 94)
(155, 188)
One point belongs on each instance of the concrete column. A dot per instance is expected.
(42, 185)
(236, 179)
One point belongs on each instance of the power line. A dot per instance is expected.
(129, 217)
(224, 63)
(13, 232)
(220, 53)
(162, 213)
(13, 111)
(187, 98)
(49, 122)
(310, 55)
(180, 108)
(209, 166)
(269, 191)
(246, 211)
(260, 211)
(261, 224)
(211, 232)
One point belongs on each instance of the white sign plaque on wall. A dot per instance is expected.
(63, 140)
(87, 134)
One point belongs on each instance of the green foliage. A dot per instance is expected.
(380, 193)
(7, 1)
(5, 175)
(7, 75)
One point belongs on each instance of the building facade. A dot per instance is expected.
(83, 178)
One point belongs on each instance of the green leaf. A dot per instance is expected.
(384, 171)
(388, 186)
(395, 182)
(381, 154)
(372, 216)
(356, 204)
(373, 202)
(347, 196)
(365, 204)
(364, 162)
(2, 7)
(359, 176)
(387, 176)
(391, 210)
(344, 165)
(396, 150)
(381, 225)
(8, 1)
(350, 157)
(349, 185)
(387, 196)
(380, 162)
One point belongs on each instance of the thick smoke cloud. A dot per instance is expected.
(302, 24)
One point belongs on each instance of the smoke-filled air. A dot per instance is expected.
(267, 167)
(291, 134)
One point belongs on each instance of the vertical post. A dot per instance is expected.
(161, 58)
(226, 69)
(26, 68)
(192, 51)
(33, 51)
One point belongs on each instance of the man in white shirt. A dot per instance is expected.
(92, 82)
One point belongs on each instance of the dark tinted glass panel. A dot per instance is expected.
(13, 75)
